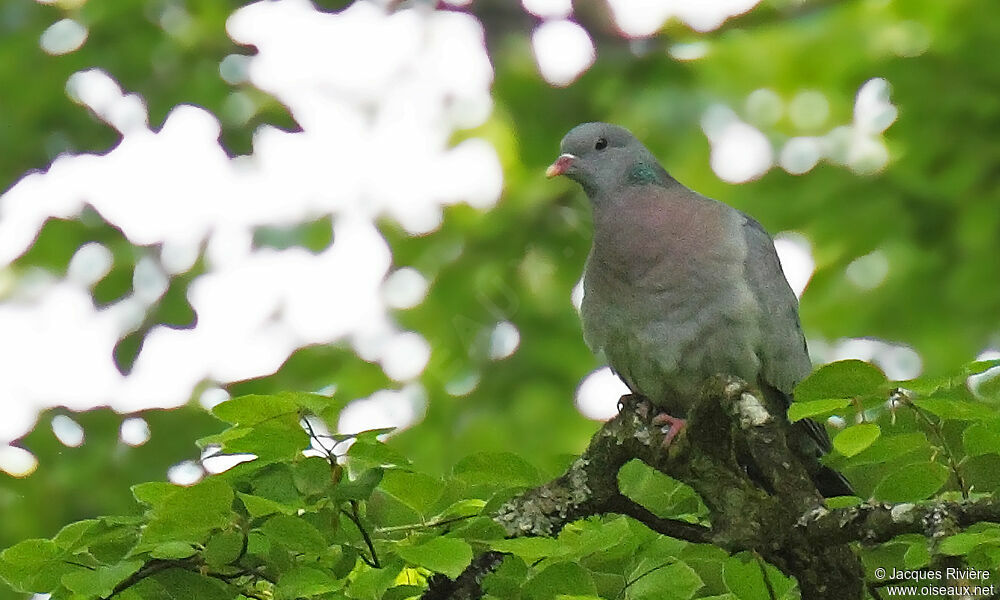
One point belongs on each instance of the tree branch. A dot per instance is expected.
(733, 453)
(874, 523)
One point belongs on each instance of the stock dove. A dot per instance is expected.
(679, 288)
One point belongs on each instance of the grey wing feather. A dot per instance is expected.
(782, 352)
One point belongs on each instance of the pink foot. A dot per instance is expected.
(674, 426)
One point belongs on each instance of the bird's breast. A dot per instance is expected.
(649, 247)
(665, 298)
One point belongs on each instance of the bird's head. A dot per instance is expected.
(601, 157)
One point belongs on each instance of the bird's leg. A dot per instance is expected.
(642, 407)
(674, 426)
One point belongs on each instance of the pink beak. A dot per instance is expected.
(559, 167)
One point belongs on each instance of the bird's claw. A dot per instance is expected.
(673, 426)
(643, 408)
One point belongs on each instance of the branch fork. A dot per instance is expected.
(735, 454)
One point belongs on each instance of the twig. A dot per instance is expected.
(938, 432)
(148, 570)
(356, 519)
(413, 526)
(330, 456)
(874, 523)
(691, 532)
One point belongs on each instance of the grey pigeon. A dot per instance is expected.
(679, 288)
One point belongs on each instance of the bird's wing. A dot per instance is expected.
(783, 355)
(782, 352)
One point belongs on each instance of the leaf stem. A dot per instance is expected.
(414, 526)
(938, 431)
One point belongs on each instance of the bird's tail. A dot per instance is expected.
(814, 443)
(811, 443)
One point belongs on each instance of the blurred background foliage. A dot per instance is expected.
(932, 213)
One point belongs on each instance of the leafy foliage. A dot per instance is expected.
(302, 527)
(312, 515)
(294, 525)
(892, 429)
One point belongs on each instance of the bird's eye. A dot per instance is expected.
(601, 144)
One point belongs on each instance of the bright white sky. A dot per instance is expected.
(369, 90)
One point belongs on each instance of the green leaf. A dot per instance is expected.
(506, 581)
(963, 543)
(304, 582)
(582, 539)
(281, 438)
(561, 578)
(856, 438)
(370, 584)
(172, 550)
(312, 475)
(981, 438)
(530, 549)
(404, 592)
(663, 496)
(981, 366)
(111, 543)
(889, 447)
(372, 434)
(153, 492)
(254, 409)
(743, 577)
(441, 555)
(842, 379)
(258, 506)
(675, 580)
(917, 555)
(988, 387)
(800, 410)
(101, 581)
(189, 514)
(294, 533)
(326, 407)
(373, 453)
(911, 483)
(33, 565)
(657, 553)
(501, 469)
(223, 548)
(959, 410)
(478, 529)
(842, 502)
(182, 584)
(463, 508)
(927, 385)
(276, 482)
(75, 535)
(361, 487)
(416, 490)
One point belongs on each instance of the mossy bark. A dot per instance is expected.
(730, 433)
